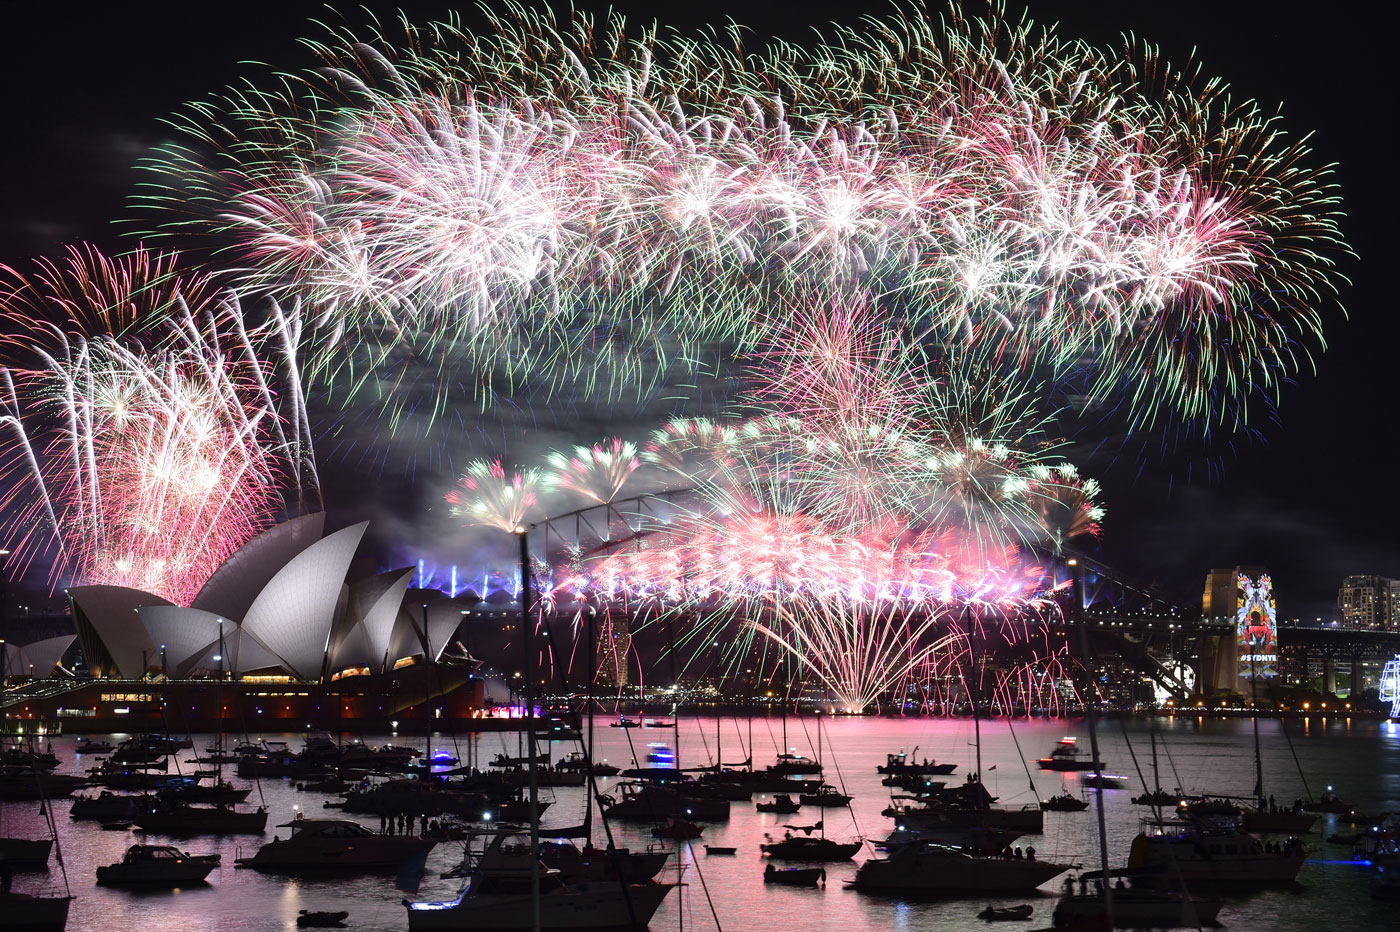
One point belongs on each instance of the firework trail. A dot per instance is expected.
(510, 200)
(149, 466)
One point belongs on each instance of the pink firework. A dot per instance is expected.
(148, 467)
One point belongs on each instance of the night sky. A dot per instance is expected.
(86, 87)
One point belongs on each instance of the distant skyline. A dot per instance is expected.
(1310, 502)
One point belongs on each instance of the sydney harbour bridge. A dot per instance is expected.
(1140, 633)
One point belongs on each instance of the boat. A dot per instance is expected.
(183, 819)
(658, 723)
(717, 849)
(1067, 756)
(804, 847)
(34, 913)
(1104, 781)
(89, 746)
(1214, 851)
(900, 765)
(322, 919)
(827, 796)
(26, 854)
(1329, 803)
(794, 876)
(1158, 797)
(625, 722)
(678, 829)
(782, 804)
(157, 865)
(1006, 913)
(1133, 906)
(17, 783)
(932, 868)
(1064, 802)
(787, 764)
(335, 844)
(498, 897)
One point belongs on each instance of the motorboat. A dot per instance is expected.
(1330, 803)
(1158, 797)
(805, 847)
(782, 804)
(1064, 802)
(794, 876)
(34, 913)
(719, 849)
(826, 796)
(337, 845)
(322, 919)
(89, 746)
(183, 819)
(649, 802)
(1133, 906)
(677, 829)
(967, 804)
(625, 722)
(157, 865)
(1206, 851)
(900, 765)
(1067, 756)
(787, 764)
(933, 868)
(1104, 781)
(498, 897)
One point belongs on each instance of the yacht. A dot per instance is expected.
(157, 864)
(825, 796)
(934, 868)
(1201, 850)
(900, 765)
(498, 897)
(182, 819)
(335, 844)
(1135, 906)
(1067, 756)
(807, 848)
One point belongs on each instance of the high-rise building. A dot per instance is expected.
(1369, 602)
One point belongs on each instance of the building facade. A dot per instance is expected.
(1369, 602)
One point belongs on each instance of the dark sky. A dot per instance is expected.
(87, 84)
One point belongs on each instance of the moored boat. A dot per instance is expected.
(155, 865)
(794, 876)
(932, 868)
(498, 897)
(335, 844)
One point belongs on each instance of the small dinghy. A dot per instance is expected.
(116, 826)
(794, 876)
(1006, 913)
(325, 919)
(716, 849)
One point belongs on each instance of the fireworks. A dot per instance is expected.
(597, 473)
(149, 466)
(559, 204)
(486, 495)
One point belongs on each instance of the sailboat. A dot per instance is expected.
(513, 889)
(1096, 900)
(27, 911)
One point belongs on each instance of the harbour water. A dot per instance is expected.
(1361, 759)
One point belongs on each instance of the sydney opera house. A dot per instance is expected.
(282, 631)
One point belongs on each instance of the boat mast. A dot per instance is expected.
(1258, 760)
(1091, 708)
(527, 641)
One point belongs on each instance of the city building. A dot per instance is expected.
(1370, 602)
